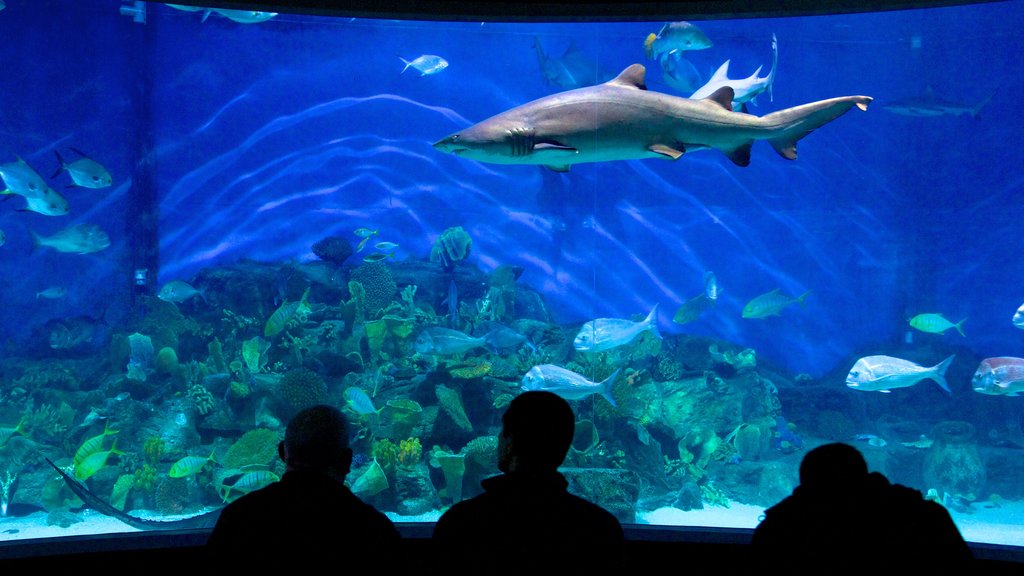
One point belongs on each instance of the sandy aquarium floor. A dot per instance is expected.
(1003, 525)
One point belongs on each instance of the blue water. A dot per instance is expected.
(267, 137)
(231, 142)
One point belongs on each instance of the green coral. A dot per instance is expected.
(256, 447)
(385, 452)
(119, 495)
(201, 398)
(409, 452)
(379, 286)
(239, 389)
(301, 388)
(145, 477)
(153, 449)
(216, 350)
(483, 451)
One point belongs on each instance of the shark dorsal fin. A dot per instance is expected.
(721, 74)
(723, 97)
(753, 76)
(632, 77)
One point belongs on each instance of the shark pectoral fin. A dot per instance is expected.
(559, 168)
(723, 97)
(740, 156)
(553, 147)
(786, 147)
(670, 152)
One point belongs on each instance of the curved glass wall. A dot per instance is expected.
(216, 218)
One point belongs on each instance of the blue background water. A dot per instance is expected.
(260, 139)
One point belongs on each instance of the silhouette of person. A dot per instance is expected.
(843, 520)
(309, 517)
(526, 521)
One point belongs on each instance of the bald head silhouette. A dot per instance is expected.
(832, 466)
(316, 439)
(537, 430)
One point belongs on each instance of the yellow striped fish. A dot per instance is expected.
(285, 313)
(93, 445)
(189, 465)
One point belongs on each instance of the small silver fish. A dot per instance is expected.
(178, 291)
(22, 179)
(52, 293)
(49, 203)
(440, 341)
(85, 171)
(377, 257)
(77, 239)
(711, 289)
(607, 333)
(1018, 317)
(385, 246)
(426, 64)
(566, 383)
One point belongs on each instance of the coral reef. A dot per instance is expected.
(301, 388)
(451, 402)
(379, 286)
(255, 447)
(333, 249)
(451, 247)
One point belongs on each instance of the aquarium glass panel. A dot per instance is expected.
(724, 241)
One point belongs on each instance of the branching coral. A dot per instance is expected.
(201, 398)
(379, 286)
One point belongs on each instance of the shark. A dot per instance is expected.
(745, 89)
(573, 70)
(928, 105)
(622, 120)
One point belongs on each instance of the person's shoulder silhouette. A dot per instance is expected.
(309, 516)
(526, 521)
(842, 519)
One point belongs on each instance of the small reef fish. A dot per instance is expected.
(1018, 317)
(52, 293)
(680, 75)
(85, 171)
(385, 246)
(675, 37)
(928, 105)
(93, 445)
(872, 440)
(883, 373)
(7, 432)
(502, 339)
(365, 234)
(607, 333)
(935, 323)
(73, 333)
(378, 256)
(566, 383)
(691, 310)
(285, 314)
(711, 289)
(573, 69)
(178, 291)
(77, 239)
(425, 64)
(95, 462)
(922, 443)
(1000, 376)
(438, 341)
(744, 89)
(359, 401)
(189, 465)
(22, 179)
(771, 304)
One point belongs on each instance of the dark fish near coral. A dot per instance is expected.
(74, 333)
(501, 338)
(444, 341)
(691, 310)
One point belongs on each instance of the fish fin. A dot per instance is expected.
(59, 161)
(558, 167)
(652, 321)
(959, 327)
(606, 387)
(648, 43)
(407, 64)
(553, 147)
(753, 76)
(670, 152)
(740, 156)
(939, 373)
(631, 77)
(803, 297)
(722, 74)
(785, 143)
(206, 14)
(723, 97)
(77, 151)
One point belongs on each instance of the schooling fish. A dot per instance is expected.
(425, 64)
(189, 465)
(883, 373)
(49, 203)
(85, 171)
(607, 333)
(935, 323)
(440, 341)
(566, 383)
(1001, 376)
(95, 462)
(22, 179)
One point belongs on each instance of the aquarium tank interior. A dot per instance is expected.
(724, 240)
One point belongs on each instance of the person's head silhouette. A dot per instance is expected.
(316, 439)
(832, 466)
(537, 430)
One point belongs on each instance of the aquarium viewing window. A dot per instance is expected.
(740, 237)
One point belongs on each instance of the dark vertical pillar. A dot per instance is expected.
(142, 221)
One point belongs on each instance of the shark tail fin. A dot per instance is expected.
(794, 123)
(775, 62)
(976, 111)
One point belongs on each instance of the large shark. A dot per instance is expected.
(928, 105)
(622, 120)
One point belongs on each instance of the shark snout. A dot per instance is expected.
(450, 145)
